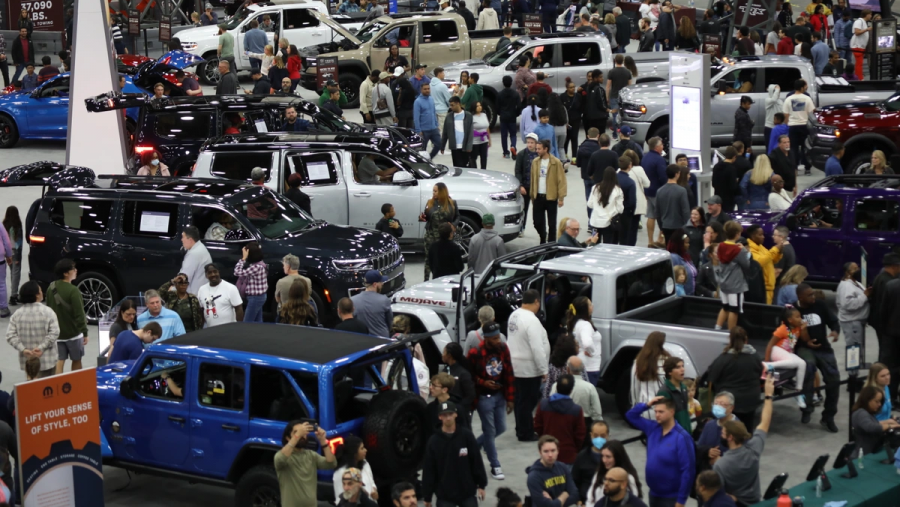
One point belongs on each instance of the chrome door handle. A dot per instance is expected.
(362, 194)
(454, 48)
(548, 75)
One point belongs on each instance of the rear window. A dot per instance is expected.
(81, 215)
(148, 218)
(299, 18)
(439, 31)
(237, 166)
(183, 125)
(644, 286)
(580, 53)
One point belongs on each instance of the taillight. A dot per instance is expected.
(334, 443)
(140, 150)
(36, 239)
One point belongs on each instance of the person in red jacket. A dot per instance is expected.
(293, 66)
(785, 45)
(560, 417)
(537, 85)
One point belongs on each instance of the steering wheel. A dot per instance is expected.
(514, 295)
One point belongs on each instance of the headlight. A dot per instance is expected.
(504, 196)
(353, 265)
(309, 61)
(634, 109)
(188, 46)
(827, 132)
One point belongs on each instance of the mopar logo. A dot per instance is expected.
(48, 392)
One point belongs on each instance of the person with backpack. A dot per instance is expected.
(734, 263)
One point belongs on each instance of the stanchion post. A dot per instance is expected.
(851, 387)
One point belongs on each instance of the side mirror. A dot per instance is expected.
(454, 294)
(126, 388)
(791, 221)
(404, 178)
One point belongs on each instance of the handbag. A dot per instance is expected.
(381, 103)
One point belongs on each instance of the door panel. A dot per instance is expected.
(146, 238)
(225, 253)
(220, 419)
(48, 113)
(365, 201)
(874, 225)
(822, 247)
(323, 181)
(439, 43)
(381, 47)
(576, 59)
(550, 64)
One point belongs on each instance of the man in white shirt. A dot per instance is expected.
(860, 40)
(779, 198)
(797, 108)
(221, 300)
(196, 257)
(529, 351)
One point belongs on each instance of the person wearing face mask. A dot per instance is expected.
(152, 165)
(710, 445)
(853, 305)
(613, 457)
(588, 459)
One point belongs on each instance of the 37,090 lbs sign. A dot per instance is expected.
(47, 15)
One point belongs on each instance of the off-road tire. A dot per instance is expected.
(257, 485)
(395, 433)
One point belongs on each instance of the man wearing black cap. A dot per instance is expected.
(625, 143)
(419, 78)
(714, 210)
(877, 293)
(261, 84)
(330, 87)
(373, 308)
(743, 124)
(452, 469)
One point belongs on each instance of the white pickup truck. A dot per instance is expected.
(291, 19)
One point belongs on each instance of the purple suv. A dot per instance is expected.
(837, 219)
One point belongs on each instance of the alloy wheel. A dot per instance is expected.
(464, 233)
(211, 71)
(98, 298)
(265, 496)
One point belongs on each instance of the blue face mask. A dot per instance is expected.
(598, 442)
(718, 411)
(155, 162)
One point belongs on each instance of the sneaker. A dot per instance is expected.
(818, 399)
(801, 401)
(506, 155)
(4, 313)
(805, 417)
(497, 473)
(521, 234)
(513, 151)
(13, 301)
(829, 425)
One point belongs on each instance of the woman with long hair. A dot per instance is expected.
(780, 351)
(579, 325)
(879, 164)
(630, 65)
(756, 185)
(772, 39)
(352, 454)
(252, 273)
(819, 22)
(715, 233)
(571, 100)
(277, 72)
(609, 21)
(395, 59)
(738, 370)
(126, 319)
(679, 247)
(439, 209)
(787, 286)
(294, 66)
(297, 311)
(463, 84)
(880, 378)
(608, 201)
(529, 119)
(675, 388)
(695, 230)
(647, 373)
(565, 347)
(13, 225)
(686, 37)
(867, 430)
(559, 119)
(481, 132)
(613, 455)
(152, 165)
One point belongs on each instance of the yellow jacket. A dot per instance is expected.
(766, 260)
(556, 179)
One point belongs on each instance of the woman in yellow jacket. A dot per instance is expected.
(548, 190)
(765, 257)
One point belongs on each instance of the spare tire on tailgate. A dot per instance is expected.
(395, 434)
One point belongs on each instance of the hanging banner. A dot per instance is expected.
(165, 28)
(758, 12)
(134, 22)
(326, 69)
(58, 422)
(47, 15)
(533, 24)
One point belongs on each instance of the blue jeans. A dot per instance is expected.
(507, 128)
(593, 377)
(588, 186)
(492, 411)
(433, 135)
(254, 311)
(255, 63)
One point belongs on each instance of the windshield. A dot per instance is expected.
(335, 122)
(421, 166)
(274, 215)
(499, 57)
(236, 20)
(369, 31)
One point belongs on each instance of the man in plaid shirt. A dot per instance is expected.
(493, 372)
(33, 330)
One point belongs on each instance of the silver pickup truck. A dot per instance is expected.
(633, 294)
(567, 54)
(646, 106)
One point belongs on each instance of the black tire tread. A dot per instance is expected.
(241, 491)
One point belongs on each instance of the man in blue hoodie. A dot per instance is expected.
(670, 453)
(655, 166)
(546, 475)
(425, 119)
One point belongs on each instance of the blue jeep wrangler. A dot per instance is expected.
(210, 406)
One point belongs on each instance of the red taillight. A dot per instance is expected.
(142, 149)
(327, 295)
(36, 239)
(332, 444)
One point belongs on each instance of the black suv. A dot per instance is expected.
(178, 126)
(127, 238)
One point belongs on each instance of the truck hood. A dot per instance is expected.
(452, 70)
(111, 375)
(849, 115)
(639, 93)
(334, 25)
(478, 181)
(201, 33)
(436, 293)
(768, 219)
(355, 242)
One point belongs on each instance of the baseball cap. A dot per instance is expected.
(421, 66)
(490, 330)
(383, 75)
(532, 136)
(714, 200)
(223, 26)
(488, 219)
(331, 82)
(891, 259)
(399, 70)
(746, 98)
(446, 407)
(355, 474)
(373, 276)
(626, 130)
(208, 6)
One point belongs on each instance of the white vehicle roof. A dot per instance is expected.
(607, 260)
(268, 3)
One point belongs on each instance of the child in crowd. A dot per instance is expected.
(545, 131)
(332, 104)
(30, 79)
(387, 223)
(734, 262)
(694, 407)
(780, 129)
(680, 278)
(780, 351)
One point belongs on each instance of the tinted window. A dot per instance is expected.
(152, 383)
(644, 286)
(221, 386)
(144, 218)
(89, 216)
(237, 166)
(543, 56)
(877, 215)
(299, 18)
(315, 168)
(273, 397)
(580, 53)
(56, 88)
(183, 125)
(439, 31)
(274, 215)
(785, 77)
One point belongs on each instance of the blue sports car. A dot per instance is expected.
(43, 113)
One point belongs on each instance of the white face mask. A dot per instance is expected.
(155, 162)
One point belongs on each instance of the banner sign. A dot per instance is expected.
(326, 68)
(47, 15)
(712, 44)
(134, 22)
(533, 24)
(58, 422)
(758, 12)
(165, 28)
